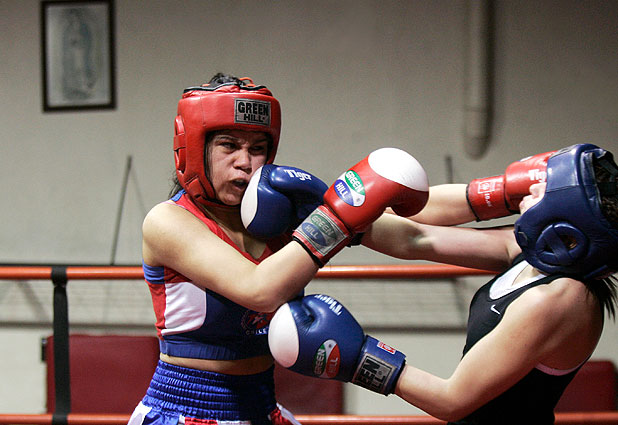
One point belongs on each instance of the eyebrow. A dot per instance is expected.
(265, 139)
(224, 136)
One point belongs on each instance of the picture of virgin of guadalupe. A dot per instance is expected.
(79, 65)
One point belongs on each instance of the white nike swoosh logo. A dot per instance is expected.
(493, 308)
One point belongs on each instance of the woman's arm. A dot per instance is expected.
(447, 206)
(526, 336)
(490, 197)
(488, 249)
(175, 238)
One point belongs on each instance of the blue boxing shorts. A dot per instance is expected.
(178, 395)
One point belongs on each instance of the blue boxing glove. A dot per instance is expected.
(278, 199)
(317, 336)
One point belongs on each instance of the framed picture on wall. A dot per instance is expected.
(77, 40)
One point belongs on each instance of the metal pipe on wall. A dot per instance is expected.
(478, 77)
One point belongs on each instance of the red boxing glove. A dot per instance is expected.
(388, 177)
(499, 196)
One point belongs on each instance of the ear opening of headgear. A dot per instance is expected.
(236, 105)
(570, 210)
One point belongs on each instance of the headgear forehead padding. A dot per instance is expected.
(566, 231)
(203, 109)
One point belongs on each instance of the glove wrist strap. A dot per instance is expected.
(322, 234)
(486, 198)
(379, 367)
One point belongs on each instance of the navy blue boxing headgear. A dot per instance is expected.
(571, 210)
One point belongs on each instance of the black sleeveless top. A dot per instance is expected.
(530, 401)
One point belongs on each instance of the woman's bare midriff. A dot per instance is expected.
(248, 366)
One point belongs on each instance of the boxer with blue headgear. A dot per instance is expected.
(530, 328)
(567, 232)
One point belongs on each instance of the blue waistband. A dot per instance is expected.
(209, 395)
(180, 346)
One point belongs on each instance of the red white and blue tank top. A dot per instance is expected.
(198, 323)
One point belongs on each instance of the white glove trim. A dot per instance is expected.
(249, 203)
(399, 166)
(284, 347)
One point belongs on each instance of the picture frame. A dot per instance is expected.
(78, 57)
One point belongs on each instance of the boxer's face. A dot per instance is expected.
(233, 157)
(537, 191)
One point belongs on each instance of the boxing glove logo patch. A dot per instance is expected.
(319, 229)
(327, 360)
(321, 232)
(373, 373)
(350, 188)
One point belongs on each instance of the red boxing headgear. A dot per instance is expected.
(207, 108)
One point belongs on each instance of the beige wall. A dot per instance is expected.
(351, 76)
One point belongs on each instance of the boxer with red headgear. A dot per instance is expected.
(215, 283)
(204, 269)
(236, 104)
(530, 328)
